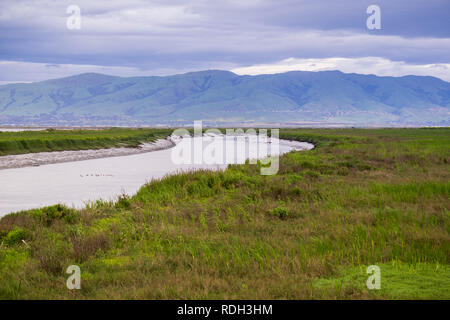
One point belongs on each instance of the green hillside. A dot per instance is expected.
(328, 96)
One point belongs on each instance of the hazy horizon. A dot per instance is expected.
(212, 70)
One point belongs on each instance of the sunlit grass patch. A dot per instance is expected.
(398, 280)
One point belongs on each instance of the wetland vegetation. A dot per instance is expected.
(361, 197)
(59, 140)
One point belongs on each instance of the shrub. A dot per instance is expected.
(51, 250)
(87, 247)
(16, 236)
(280, 211)
(57, 212)
(3, 234)
(123, 202)
(297, 191)
(50, 261)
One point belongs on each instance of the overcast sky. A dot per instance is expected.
(160, 37)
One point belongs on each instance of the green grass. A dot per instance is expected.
(58, 140)
(398, 281)
(362, 197)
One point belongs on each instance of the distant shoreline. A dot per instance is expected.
(43, 158)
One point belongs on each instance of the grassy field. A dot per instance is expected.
(58, 140)
(362, 197)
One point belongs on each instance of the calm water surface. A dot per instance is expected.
(75, 183)
(20, 129)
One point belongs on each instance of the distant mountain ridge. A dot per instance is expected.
(222, 96)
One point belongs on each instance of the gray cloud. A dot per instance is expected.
(157, 37)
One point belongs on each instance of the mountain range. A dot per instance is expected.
(298, 97)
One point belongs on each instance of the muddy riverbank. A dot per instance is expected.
(42, 158)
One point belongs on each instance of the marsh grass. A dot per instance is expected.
(59, 140)
(362, 197)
